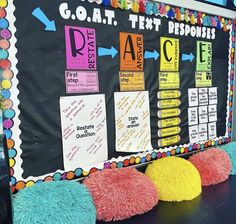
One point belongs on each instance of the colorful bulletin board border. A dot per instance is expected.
(10, 112)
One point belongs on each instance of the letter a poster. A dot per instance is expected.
(131, 52)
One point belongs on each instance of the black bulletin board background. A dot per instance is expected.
(42, 64)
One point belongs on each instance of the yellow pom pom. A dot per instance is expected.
(192, 20)
(223, 20)
(175, 179)
(167, 8)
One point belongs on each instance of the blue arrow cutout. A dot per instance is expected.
(187, 57)
(107, 51)
(149, 54)
(39, 14)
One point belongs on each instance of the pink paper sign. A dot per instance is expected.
(80, 48)
(81, 81)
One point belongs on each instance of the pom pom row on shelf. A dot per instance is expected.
(127, 192)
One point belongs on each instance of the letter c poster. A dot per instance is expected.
(80, 48)
(169, 54)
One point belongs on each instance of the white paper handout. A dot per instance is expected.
(212, 113)
(192, 116)
(203, 96)
(213, 95)
(202, 128)
(132, 121)
(203, 114)
(193, 97)
(193, 134)
(84, 130)
(212, 130)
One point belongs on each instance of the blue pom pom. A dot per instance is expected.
(218, 26)
(59, 202)
(106, 2)
(171, 13)
(230, 149)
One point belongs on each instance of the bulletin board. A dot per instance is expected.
(93, 85)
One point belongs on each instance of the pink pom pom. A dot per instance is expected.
(121, 193)
(214, 166)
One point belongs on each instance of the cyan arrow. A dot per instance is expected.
(39, 14)
(187, 57)
(106, 51)
(154, 54)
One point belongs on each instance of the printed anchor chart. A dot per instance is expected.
(132, 87)
(202, 111)
(168, 96)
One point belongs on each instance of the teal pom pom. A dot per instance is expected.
(149, 7)
(182, 10)
(230, 149)
(155, 8)
(59, 202)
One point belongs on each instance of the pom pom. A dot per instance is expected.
(213, 21)
(199, 16)
(123, 5)
(218, 25)
(59, 202)
(149, 7)
(106, 2)
(230, 149)
(192, 19)
(182, 10)
(214, 166)
(114, 4)
(155, 8)
(163, 9)
(135, 6)
(178, 14)
(121, 193)
(186, 16)
(171, 13)
(176, 179)
(141, 7)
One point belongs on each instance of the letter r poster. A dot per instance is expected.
(80, 48)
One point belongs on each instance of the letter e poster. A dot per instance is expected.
(132, 121)
(84, 130)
